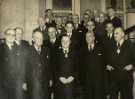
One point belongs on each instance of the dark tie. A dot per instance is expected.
(38, 51)
(118, 45)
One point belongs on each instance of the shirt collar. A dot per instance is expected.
(120, 42)
(9, 45)
(91, 45)
(37, 48)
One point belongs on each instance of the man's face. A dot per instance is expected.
(118, 34)
(65, 42)
(10, 36)
(49, 13)
(90, 26)
(41, 22)
(111, 12)
(89, 12)
(69, 27)
(75, 19)
(86, 18)
(59, 21)
(52, 32)
(102, 17)
(109, 28)
(90, 38)
(38, 39)
(19, 34)
(64, 20)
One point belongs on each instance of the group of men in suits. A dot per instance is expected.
(91, 59)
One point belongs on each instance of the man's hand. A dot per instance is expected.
(70, 79)
(50, 83)
(63, 80)
(24, 86)
(109, 68)
(128, 67)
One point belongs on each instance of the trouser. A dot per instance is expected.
(124, 87)
(94, 90)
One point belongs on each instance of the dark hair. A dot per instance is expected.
(69, 22)
(36, 31)
(46, 11)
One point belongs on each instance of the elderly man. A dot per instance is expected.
(42, 27)
(92, 68)
(19, 38)
(122, 62)
(38, 72)
(13, 62)
(116, 21)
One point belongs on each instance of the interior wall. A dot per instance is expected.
(130, 19)
(12, 14)
(23, 13)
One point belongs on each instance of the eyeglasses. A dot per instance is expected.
(9, 34)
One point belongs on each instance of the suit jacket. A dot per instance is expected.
(92, 64)
(100, 31)
(65, 66)
(39, 74)
(52, 49)
(13, 69)
(23, 44)
(119, 61)
(108, 46)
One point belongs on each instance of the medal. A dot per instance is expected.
(66, 55)
(118, 51)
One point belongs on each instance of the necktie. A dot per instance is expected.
(38, 50)
(118, 48)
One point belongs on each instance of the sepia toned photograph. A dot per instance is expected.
(67, 49)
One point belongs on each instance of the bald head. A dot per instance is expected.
(119, 34)
(37, 38)
(10, 35)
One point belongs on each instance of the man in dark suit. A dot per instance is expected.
(92, 68)
(116, 21)
(42, 27)
(60, 29)
(52, 44)
(100, 27)
(69, 30)
(78, 29)
(121, 66)
(13, 62)
(65, 71)
(19, 38)
(49, 17)
(108, 45)
(22, 48)
(108, 42)
(39, 72)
